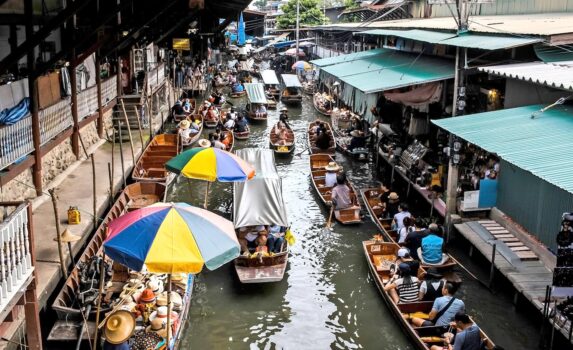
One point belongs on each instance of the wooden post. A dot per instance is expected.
(52, 193)
(94, 191)
(99, 298)
(109, 173)
(74, 106)
(121, 156)
(139, 127)
(118, 80)
(31, 310)
(151, 131)
(206, 194)
(128, 131)
(168, 338)
(99, 103)
(112, 161)
(492, 269)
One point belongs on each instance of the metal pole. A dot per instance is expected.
(492, 269)
(100, 297)
(94, 191)
(109, 172)
(297, 27)
(121, 156)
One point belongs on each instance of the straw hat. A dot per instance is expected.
(161, 313)
(184, 124)
(147, 296)
(68, 237)
(393, 196)
(204, 143)
(157, 326)
(119, 327)
(283, 109)
(176, 300)
(332, 166)
(129, 306)
(155, 285)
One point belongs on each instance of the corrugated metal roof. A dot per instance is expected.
(557, 75)
(256, 92)
(270, 77)
(390, 70)
(291, 80)
(347, 58)
(529, 24)
(468, 40)
(540, 145)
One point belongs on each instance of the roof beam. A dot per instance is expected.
(42, 34)
(179, 24)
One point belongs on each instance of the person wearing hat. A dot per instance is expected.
(157, 326)
(283, 117)
(204, 143)
(403, 288)
(403, 256)
(331, 171)
(357, 141)
(392, 205)
(118, 329)
(186, 132)
(432, 285)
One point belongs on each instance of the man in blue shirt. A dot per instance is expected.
(431, 251)
(444, 309)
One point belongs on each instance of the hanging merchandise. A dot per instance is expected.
(66, 82)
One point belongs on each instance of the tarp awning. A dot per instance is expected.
(467, 40)
(256, 92)
(391, 69)
(259, 201)
(347, 58)
(291, 80)
(270, 77)
(539, 145)
(557, 75)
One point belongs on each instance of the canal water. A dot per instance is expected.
(327, 299)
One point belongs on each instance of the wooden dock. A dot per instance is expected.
(529, 276)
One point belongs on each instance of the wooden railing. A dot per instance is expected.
(15, 141)
(16, 260)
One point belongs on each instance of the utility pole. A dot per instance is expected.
(458, 107)
(297, 26)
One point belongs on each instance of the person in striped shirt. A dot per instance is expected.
(403, 288)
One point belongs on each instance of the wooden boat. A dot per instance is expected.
(317, 106)
(291, 98)
(371, 197)
(179, 117)
(271, 102)
(238, 94)
(262, 270)
(244, 135)
(312, 140)
(343, 140)
(345, 216)
(197, 136)
(134, 196)
(212, 123)
(232, 140)
(151, 165)
(253, 116)
(309, 87)
(377, 253)
(274, 92)
(282, 149)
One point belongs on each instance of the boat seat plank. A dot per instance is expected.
(518, 249)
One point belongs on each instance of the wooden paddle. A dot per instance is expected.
(328, 227)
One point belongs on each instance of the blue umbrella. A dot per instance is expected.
(241, 31)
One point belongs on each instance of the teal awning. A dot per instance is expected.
(391, 69)
(269, 77)
(291, 80)
(540, 145)
(256, 92)
(347, 58)
(467, 40)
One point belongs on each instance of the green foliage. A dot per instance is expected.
(310, 14)
(351, 4)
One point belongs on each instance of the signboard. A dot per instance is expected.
(181, 44)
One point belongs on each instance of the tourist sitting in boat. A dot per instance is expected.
(408, 227)
(187, 106)
(282, 132)
(212, 113)
(260, 111)
(403, 256)
(186, 131)
(323, 139)
(237, 87)
(252, 237)
(276, 238)
(358, 140)
(331, 173)
(218, 142)
(219, 99)
(467, 335)
(229, 123)
(431, 251)
(443, 311)
(403, 288)
(233, 113)
(414, 239)
(398, 218)
(241, 124)
(432, 285)
(341, 193)
(226, 138)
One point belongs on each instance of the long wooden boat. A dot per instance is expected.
(238, 94)
(291, 99)
(243, 135)
(197, 136)
(317, 106)
(377, 255)
(343, 140)
(151, 165)
(344, 216)
(179, 117)
(371, 197)
(211, 123)
(311, 139)
(134, 196)
(253, 116)
(265, 269)
(282, 149)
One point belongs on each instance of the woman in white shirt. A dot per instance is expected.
(331, 171)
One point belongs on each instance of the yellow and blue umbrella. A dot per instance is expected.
(171, 238)
(301, 65)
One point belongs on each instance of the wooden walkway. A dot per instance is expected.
(530, 278)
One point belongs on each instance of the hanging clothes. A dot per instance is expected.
(66, 82)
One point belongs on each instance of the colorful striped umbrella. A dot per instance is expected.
(171, 238)
(210, 164)
(301, 65)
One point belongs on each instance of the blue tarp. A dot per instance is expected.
(12, 115)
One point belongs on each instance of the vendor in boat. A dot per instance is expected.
(283, 117)
(468, 335)
(260, 111)
(186, 132)
(443, 311)
(357, 141)
(431, 251)
(212, 113)
(341, 193)
(403, 287)
(330, 177)
(241, 124)
(276, 238)
(323, 139)
(226, 137)
(283, 135)
(251, 237)
(237, 88)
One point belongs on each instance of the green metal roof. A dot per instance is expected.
(256, 92)
(347, 58)
(540, 145)
(390, 70)
(467, 40)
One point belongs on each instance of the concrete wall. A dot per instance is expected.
(520, 93)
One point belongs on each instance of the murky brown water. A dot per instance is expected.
(327, 299)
